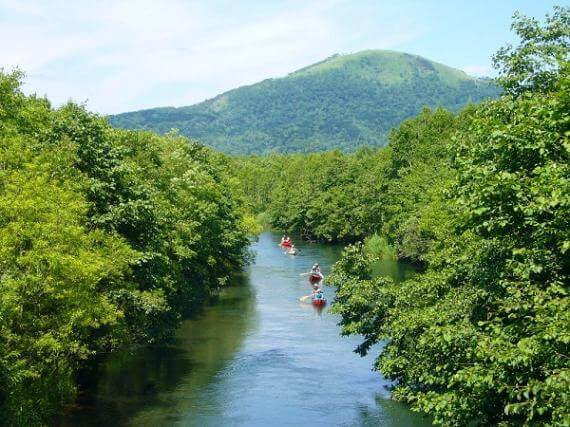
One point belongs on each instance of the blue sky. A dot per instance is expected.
(122, 55)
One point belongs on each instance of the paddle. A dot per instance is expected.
(305, 297)
(304, 274)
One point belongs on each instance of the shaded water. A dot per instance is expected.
(255, 357)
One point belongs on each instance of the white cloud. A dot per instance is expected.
(119, 54)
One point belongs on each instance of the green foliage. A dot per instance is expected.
(344, 102)
(107, 237)
(482, 337)
(54, 312)
(419, 169)
(322, 196)
(535, 64)
(333, 196)
(376, 246)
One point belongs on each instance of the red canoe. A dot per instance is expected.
(319, 301)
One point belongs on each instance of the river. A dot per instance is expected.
(256, 356)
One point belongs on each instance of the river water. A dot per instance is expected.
(255, 357)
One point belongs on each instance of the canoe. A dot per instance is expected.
(319, 301)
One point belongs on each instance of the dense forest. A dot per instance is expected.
(344, 102)
(338, 197)
(107, 238)
(481, 200)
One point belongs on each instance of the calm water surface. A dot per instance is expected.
(255, 357)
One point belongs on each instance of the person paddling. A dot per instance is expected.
(317, 294)
(315, 275)
(286, 242)
(316, 272)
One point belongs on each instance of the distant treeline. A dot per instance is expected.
(482, 200)
(338, 197)
(107, 237)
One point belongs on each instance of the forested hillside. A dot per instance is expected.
(343, 102)
(107, 238)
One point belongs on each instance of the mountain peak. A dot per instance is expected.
(387, 66)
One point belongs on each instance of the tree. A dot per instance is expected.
(535, 64)
(55, 310)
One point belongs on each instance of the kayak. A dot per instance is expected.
(286, 244)
(319, 301)
(314, 278)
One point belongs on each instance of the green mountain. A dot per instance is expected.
(342, 102)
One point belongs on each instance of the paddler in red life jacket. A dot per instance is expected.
(316, 271)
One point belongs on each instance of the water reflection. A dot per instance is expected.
(163, 377)
(398, 271)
